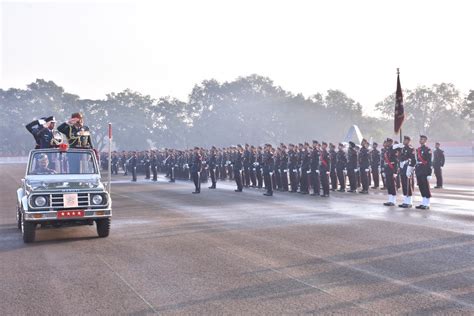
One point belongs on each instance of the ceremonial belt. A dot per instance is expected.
(420, 157)
(388, 162)
(324, 162)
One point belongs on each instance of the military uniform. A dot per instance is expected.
(352, 167)
(268, 167)
(212, 163)
(438, 164)
(364, 164)
(292, 166)
(324, 170)
(423, 171)
(77, 136)
(315, 172)
(237, 169)
(374, 166)
(407, 164)
(341, 165)
(390, 170)
(195, 170)
(284, 170)
(333, 173)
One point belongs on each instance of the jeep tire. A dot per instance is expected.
(28, 230)
(103, 227)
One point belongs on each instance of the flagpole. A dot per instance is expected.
(398, 74)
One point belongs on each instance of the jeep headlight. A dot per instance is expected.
(40, 201)
(97, 199)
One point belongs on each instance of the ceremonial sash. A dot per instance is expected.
(420, 157)
(387, 161)
(324, 162)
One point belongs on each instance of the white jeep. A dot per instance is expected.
(62, 187)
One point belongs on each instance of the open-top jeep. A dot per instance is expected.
(62, 187)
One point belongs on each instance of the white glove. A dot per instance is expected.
(410, 171)
(279, 170)
(41, 122)
(428, 177)
(254, 169)
(317, 171)
(395, 175)
(344, 171)
(271, 173)
(355, 170)
(383, 174)
(286, 170)
(380, 170)
(367, 170)
(397, 146)
(300, 169)
(309, 171)
(402, 163)
(204, 162)
(295, 170)
(327, 172)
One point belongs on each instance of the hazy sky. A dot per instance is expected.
(165, 47)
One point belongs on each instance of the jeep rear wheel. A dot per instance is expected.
(103, 227)
(28, 230)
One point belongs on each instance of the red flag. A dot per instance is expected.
(399, 111)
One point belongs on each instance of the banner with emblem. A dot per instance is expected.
(399, 111)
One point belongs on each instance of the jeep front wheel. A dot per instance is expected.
(28, 230)
(103, 227)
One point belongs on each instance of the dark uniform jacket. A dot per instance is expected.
(423, 161)
(333, 155)
(364, 159)
(78, 137)
(438, 158)
(407, 156)
(341, 159)
(292, 159)
(237, 161)
(196, 164)
(268, 162)
(284, 161)
(374, 158)
(390, 160)
(315, 159)
(324, 161)
(352, 159)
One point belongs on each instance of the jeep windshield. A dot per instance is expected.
(69, 162)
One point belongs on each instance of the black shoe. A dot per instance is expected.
(374, 187)
(324, 195)
(237, 190)
(333, 190)
(420, 207)
(304, 192)
(352, 191)
(268, 194)
(341, 190)
(212, 187)
(134, 180)
(389, 204)
(196, 192)
(171, 181)
(383, 188)
(425, 207)
(314, 194)
(437, 187)
(363, 192)
(404, 205)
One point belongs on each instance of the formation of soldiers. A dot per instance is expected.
(305, 168)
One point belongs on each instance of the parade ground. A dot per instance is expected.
(222, 252)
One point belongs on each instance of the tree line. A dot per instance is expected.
(249, 109)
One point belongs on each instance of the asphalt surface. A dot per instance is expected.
(221, 252)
